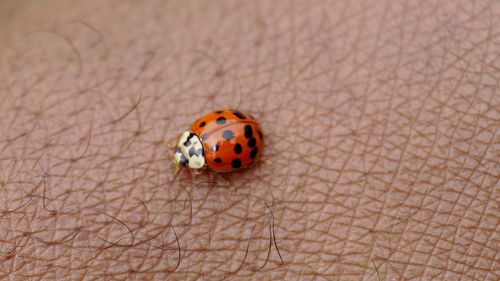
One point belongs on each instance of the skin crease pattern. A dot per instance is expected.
(381, 121)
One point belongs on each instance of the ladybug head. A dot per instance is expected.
(189, 152)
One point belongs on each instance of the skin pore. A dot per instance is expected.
(381, 124)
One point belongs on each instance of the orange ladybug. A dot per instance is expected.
(224, 141)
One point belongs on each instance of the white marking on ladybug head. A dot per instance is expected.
(189, 151)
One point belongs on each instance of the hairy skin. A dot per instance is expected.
(381, 120)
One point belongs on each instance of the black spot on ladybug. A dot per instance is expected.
(239, 114)
(221, 120)
(204, 137)
(228, 134)
(238, 148)
(215, 148)
(193, 151)
(236, 163)
(202, 124)
(178, 150)
(188, 141)
(218, 160)
(253, 153)
(218, 111)
(248, 131)
(183, 160)
(251, 142)
(260, 134)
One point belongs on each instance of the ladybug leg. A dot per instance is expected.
(189, 175)
(262, 159)
(213, 179)
(178, 170)
(253, 164)
(172, 143)
(200, 171)
(230, 183)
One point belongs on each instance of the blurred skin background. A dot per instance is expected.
(381, 122)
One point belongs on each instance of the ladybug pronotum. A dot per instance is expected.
(224, 141)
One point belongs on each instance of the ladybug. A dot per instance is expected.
(224, 141)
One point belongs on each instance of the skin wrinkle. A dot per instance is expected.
(380, 120)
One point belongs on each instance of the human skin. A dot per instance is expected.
(381, 123)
